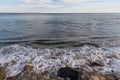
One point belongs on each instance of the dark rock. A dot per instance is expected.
(80, 74)
(68, 73)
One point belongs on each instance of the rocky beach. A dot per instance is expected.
(26, 63)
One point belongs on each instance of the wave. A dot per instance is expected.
(15, 57)
(51, 43)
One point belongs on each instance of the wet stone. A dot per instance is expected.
(110, 77)
(2, 73)
(28, 68)
(68, 73)
(97, 77)
(27, 76)
(97, 63)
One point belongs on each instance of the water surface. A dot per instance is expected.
(60, 30)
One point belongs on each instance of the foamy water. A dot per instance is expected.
(15, 57)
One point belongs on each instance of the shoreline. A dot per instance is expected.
(101, 60)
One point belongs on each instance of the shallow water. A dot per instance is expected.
(60, 30)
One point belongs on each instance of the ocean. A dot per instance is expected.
(60, 30)
(29, 38)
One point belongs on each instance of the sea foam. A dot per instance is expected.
(15, 57)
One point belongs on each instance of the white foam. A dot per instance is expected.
(15, 57)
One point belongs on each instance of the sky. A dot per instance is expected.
(59, 6)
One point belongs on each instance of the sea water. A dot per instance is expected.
(56, 40)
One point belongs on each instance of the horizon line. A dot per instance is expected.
(60, 13)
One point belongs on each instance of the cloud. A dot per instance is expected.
(42, 3)
(54, 1)
(51, 3)
(27, 1)
(38, 1)
(60, 6)
(74, 1)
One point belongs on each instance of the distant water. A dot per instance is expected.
(60, 30)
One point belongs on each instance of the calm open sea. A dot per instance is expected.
(60, 30)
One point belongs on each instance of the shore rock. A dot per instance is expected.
(97, 63)
(96, 76)
(27, 76)
(2, 73)
(68, 73)
(82, 75)
(28, 68)
(110, 77)
(79, 75)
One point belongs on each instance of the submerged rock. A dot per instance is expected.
(2, 73)
(97, 63)
(28, 68)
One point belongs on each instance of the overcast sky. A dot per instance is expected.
(60, 6)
